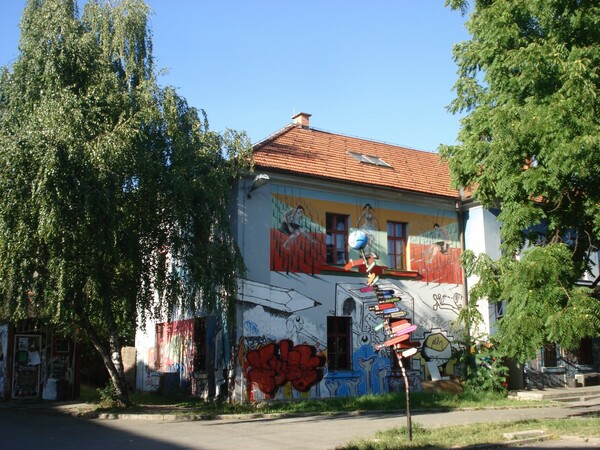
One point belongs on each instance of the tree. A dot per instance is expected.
(529, 85)
(114, 191)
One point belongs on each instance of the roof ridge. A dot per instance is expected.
(290, 126)
(272, 136)
(374, 141)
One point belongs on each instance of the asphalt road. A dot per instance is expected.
(22, 428)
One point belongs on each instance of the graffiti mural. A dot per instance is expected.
(274, 317)
(434, 310)
(452, 302)
(276, 299)
(271, 366)
(373, 371)
(437, 353)
(175, 342)
(297, 239)
(272, 314)
(435, 254)
(351, 301)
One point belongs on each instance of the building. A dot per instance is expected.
(307, 324)
(304, 327)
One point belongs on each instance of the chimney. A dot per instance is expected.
(302, 119)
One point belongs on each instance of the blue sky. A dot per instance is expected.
(379, 70)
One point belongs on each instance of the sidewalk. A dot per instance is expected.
(562, 394)
(578, 402)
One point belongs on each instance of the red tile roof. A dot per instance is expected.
(312, 152)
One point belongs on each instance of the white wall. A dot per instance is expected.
(482, 235)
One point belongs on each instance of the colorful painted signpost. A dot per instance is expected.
(396, 327)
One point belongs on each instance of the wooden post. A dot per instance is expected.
(407, 390)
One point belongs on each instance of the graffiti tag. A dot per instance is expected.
(273, 365)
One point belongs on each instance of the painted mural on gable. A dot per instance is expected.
(308, 236)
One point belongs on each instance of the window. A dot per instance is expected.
(339, 343)
(369, 159)
(396, 234)
(500, 309)
(584, 354)
(550, 359)
(337, 237)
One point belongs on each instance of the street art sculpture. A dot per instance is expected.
(397, 329)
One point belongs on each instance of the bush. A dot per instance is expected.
(483, 368)
(108, 396)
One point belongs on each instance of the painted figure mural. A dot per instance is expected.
(296, 238)
(368, 223)
(293, 228)
(435, 254)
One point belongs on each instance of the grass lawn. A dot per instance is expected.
(388, 402)
(476, 434)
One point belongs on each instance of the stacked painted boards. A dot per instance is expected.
(396, 327)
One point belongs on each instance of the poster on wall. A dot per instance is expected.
(26, 366)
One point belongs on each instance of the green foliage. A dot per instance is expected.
(108, 397)
(484, 367)
(542, 303)
(114, 190)
(529, 83)
(480, 360)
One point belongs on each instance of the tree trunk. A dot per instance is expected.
(111, 356)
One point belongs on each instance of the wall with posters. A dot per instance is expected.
(27, 364)
(183, 355)
(36, 362)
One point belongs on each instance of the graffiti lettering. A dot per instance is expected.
(273, 365)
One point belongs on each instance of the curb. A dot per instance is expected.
(175, 417)
(525, 437)
(171, 415)
(591, 440)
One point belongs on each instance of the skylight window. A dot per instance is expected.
(369, 159)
